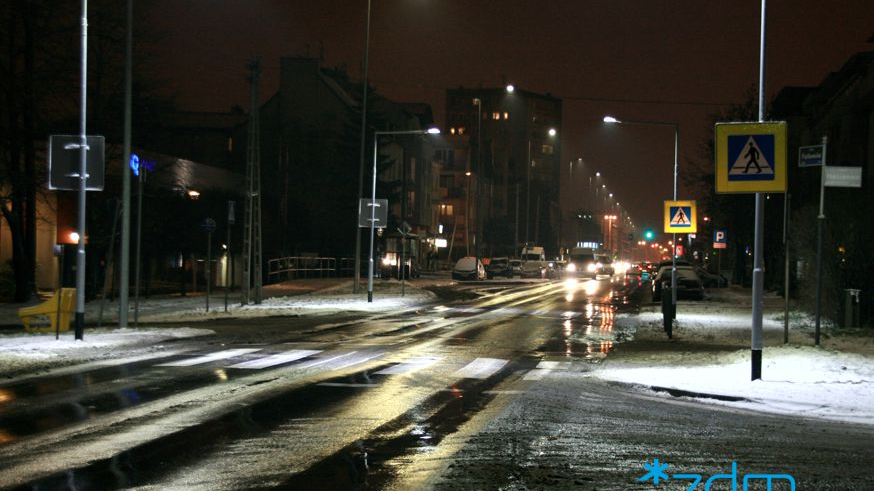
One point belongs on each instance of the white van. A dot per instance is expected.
(534, 264)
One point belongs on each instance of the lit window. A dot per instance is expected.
(496, 116)
(230, 144)
(451, 131)
(547, 149)
(461, 131)
(506, 116)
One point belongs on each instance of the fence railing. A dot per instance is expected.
(288, 268)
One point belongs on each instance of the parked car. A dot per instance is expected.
(711, 280)
(688, 283)
(499, 266)
(469, 269)
(516, 267)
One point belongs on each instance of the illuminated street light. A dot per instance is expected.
(613, 120)
(376, 135)
(510, 88)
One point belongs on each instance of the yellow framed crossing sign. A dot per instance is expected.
(680, 217)
(751, 157)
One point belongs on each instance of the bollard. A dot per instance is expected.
(667, 310)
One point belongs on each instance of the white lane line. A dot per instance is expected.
(499, 392)
(411, 365)
(481, 368)
(359, 361)
(219, 355)
(277, 359)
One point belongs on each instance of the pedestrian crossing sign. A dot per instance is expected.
(751, 157)
(680, 217)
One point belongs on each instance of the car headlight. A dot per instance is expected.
(571, 268)
(591, 267)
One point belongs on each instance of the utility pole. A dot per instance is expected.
(124, 273)
(252, 213)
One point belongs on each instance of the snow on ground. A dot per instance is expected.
(21, 353)
(710, 356)
(27, 353)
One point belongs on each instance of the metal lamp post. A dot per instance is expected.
(612, 120)
(376, 134)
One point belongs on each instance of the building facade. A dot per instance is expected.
(508, 141)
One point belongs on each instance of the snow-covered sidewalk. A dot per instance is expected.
(709, 359)
(25, 353)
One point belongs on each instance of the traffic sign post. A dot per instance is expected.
(751, 157)
(680, 217)
(720, 240)
(811, 156)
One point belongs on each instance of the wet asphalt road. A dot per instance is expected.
(449, 396)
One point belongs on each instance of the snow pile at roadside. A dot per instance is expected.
(24, 352)
(710, 355)
(802, 381)
(386, 297)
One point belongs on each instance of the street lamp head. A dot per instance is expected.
(510, 88)
(552, 132)
(433, 131)
(597, 174)
(476, 101)
(611, 119)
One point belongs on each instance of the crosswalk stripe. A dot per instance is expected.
(219, 355)
(481, 368)
(554, 365)
(277, 359)
(411, 365)
(544, 368)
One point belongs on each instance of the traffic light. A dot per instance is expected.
(648, 234)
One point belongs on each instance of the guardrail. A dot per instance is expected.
(288, 268)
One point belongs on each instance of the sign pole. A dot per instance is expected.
(820, 223)
(79, 327)
(758, 267)
(787, 199)
(208, 266)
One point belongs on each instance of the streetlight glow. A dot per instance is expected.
(610, 119)
(433, 131)
(510, 88)
(552, 132)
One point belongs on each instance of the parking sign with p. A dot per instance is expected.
(719, 239)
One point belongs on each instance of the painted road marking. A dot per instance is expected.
(544, 368)
(411, 365)
(277, 359)
(219, 355)
(481, 368)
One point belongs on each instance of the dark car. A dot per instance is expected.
(711, 280)
(688, 283)
(581, 265)
(606, 265)
(499, 266)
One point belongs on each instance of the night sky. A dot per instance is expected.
(658, 60)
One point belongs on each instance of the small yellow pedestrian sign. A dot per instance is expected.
(751, 157)
(680, 217)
